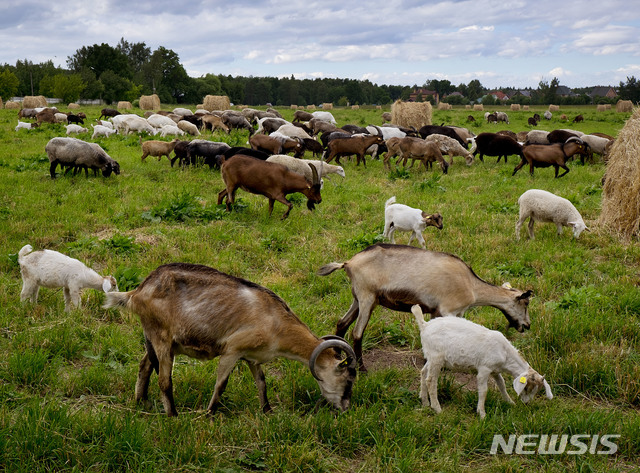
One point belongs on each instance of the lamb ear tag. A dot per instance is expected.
(106, 285)
(523, 380)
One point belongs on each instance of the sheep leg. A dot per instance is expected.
(52, 169)
(497, 377)
(258, 376)
(74, 296)
(559, 228)
(67, 299)
(225, 367)
(347, 319)
(483, 377)
(530, 228)
(519, 225)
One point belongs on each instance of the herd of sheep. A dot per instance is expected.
(200, 312)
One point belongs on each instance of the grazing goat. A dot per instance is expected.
(48, 268)
(108, 112)
(26, 125)
(400, 217)
(494, 144)
(275, 145)
(556, 155)
(459, 344)
(349, 146)
(213, 123)
(203, 313)
(206, 152)
(399, 276)
(425, 151)
(542, 206)
(272, 180)
(441, 130)
(157, 148)
(301, 116)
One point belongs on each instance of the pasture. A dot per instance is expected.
(67, 378)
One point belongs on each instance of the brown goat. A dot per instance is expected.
(157, 148)
(426, 152)
(556, 155)
(203, 313)
(271, 145)
(213, 123)
(356, 144)
(272, 180)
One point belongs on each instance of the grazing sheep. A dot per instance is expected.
(537, 137)
(494, 144)
(403, 218)
(293, 131)
(459, 344)
(72, 152)
(325, 168)
(451, 147)
(386, 117)
(268, 125)
(598, 144)
(325, 116)
(60, 118)
(48, 268)
(547, 115)
(301, 166)
(101, 130)
(188, 127)
(543, 206)
(171, 130)
(108, 112)
(73, 128)
(157, 120)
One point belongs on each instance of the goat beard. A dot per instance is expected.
(311, 205)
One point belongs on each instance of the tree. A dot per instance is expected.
(8, 84)
(442, 87)
(100, 58)
(630, 90)
(68, 87)
(115, 86)
(166, 77)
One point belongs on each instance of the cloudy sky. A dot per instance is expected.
(401, 42)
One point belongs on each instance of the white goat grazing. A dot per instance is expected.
(457, 343)
(101, 130)
(543, 206)
(48, 268)
(407, 219)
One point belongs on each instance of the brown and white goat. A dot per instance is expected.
(556, 155)
(272, 180)
(399, 276)
(203, 313)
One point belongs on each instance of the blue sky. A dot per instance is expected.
(516, 43)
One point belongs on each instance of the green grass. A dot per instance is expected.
(67, 379)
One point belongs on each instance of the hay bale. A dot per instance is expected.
(478, 107)
(467, 107)
(123, 105)
(600, 108)
(74, 106)
(624, 106)
(378, 107)
(216, 102)
(311, 107)
(554, 108)
(515, 107)
(293, 107)
(525, 108)
(411, 114)
(34, 101)
(327, 106)
(0, 102)
(621, 192)
(150, 102)
(444, 106)
(11, 104)
(355, 107)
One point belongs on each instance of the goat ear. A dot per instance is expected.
(525, 295)
(520, 383)
(547, 389)
(106, 285)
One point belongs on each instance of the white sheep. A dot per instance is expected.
(132, 123)
(543, 206)
(73, 128)
(188, 128)
(158, 121)
(101, 130)
(457, 343)
(538, 137)
(407, 219)
(48, 268)
(301, 166)
(324, 116)
(170, 130)
(293, 132)
(326, 168)
(60, 117)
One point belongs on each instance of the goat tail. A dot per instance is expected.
(117, 299)
(391, 200)
(416, 310)
(330, 268)
(24, 251)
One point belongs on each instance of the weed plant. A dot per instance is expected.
(67, 379)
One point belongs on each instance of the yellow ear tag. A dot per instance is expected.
(523, 380)
(344, 362)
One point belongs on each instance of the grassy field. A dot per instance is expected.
(67, 379)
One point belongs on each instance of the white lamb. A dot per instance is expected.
(543, 206)
(459, 344)
(26, 125)
(48, 268)
(171, 130)
(407, 219)
(101, 130)
(73, 128)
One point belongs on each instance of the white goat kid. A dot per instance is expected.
(48, 268)
(457, 343)
(407, 219)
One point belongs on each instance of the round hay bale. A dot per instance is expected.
(600, 108)
(467, 107)
(327, 106)
(525, 108)
(73, 106)
(621, 191)
(216, 102)
(411, 114)
(515, 107)
(11, 104)
(444, 106)
(624, 106)
(355, 107)
(123, 105)
(554, 108)
(478, 106)
(150, 102)
(293, 107)
(378, 107)
(311, 107)
(34, 101)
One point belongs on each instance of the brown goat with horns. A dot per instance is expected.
(203, 313)
(272, 180)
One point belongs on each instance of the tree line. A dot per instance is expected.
(128, 70)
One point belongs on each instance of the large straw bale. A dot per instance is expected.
(554, 108)
(444, 106)
(327, 106)
(293, 107)
(11, 104)
(216, 102)
(311, 107)
(411, 114)
(123, 105)
(515, 107)
(478, 107)
(73, 106)
(624, 106)
(525, 108)
(150, 102)
(34, 101)
(355, 107)
(600, 107)
(621, 192)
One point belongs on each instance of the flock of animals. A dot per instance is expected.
(203, 313)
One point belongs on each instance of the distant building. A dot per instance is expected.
(564, 91)
(422, 93)
(603, 91)
(499, 95)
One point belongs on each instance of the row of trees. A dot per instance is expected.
(128, 70)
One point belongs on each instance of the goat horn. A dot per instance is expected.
(315, 180)
(331, 341)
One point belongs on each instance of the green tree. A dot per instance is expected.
(115, 86)
(630, 90)
(68, 87)
(165, 76)
(8, 84)
(100, 58)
